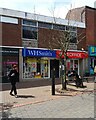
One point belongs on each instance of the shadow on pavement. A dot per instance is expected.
(25, 96)
(65, 94)
(78, 87)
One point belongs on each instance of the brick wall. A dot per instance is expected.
(0, 33)
(90, 22)
(90, 26)
(81, 38)
(48, 38)
(11, 34)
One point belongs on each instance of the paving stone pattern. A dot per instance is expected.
(81, 106)
(39, 103)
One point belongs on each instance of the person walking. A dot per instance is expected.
(13, 77)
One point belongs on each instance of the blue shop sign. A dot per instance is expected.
(38, 53)
(92, 50)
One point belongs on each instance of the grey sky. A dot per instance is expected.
(45, 7)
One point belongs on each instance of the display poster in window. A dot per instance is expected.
(34, 66)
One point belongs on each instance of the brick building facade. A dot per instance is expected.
(88, 16)
(36, 33)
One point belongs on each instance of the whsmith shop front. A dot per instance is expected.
(38, 63)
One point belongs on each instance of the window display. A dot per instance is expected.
(35, 67)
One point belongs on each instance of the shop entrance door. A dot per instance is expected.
(95, 62)
(74, 65)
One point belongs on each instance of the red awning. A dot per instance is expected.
(73, 54)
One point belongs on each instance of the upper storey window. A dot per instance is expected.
(58, 27)
(29, 23)
(29, 29)
(44, 25)
(29, 32)
(8, 20)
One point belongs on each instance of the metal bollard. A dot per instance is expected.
(53, 81)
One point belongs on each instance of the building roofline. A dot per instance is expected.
(37, 17)
(90, 7)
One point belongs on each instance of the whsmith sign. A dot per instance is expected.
(38, 53)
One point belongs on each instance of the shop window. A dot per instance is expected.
(38, 65)
(35, 68)
(74, 64)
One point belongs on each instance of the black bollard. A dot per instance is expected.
(53, 81)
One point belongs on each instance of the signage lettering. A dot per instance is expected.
(70, 54)
(38, 53)
(73, 54)
(7, 51)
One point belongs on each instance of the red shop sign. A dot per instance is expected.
(73, 54)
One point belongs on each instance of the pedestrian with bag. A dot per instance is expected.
(13, 77)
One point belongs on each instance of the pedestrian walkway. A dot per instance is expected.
(36, 95)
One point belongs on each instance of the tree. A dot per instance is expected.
(63, 43)
(59, 38)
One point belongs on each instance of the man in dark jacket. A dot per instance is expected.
(13, 77)
(77, 78)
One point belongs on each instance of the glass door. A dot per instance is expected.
(44, 68)
(74, 65)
